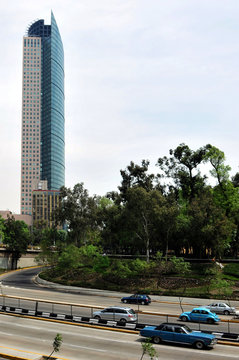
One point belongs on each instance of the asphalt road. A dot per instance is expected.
(21, 283)
(18, 334)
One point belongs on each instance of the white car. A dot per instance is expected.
(221, 308)
(116, 313)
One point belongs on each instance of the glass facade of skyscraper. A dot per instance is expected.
(43, 145)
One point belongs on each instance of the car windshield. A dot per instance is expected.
(188, 330)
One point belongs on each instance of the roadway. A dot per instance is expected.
(21, 283)
(18, 334)
(87, 343)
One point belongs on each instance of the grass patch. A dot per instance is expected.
(198, 282)
(231, 269)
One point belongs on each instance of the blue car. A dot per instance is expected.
(200, 314)
(137, 299)
(175, 333)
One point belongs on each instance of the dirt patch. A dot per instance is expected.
(177, 282)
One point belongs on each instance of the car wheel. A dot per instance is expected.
(157, 340)
(97, 317)
(226, 312)
(125, 301)
(199, 345)
(184, 318)
(123, 320)
(142, 303)
(210, 321)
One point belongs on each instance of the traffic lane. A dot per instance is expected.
(96, 300)
(142, 318)
(79, 342)
(23, 280)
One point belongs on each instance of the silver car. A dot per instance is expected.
(116, 313)
(221, 308)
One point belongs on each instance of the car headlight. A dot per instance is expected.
(213, 341)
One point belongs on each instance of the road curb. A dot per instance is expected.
(12, 357)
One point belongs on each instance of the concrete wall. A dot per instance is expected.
(26, 260)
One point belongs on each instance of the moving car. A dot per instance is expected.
(221, 308)
(137, 299)
(116, 313)
(175, 333)
(200, 314)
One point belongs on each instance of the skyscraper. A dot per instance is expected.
(43, 145)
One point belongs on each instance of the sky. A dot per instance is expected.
(141, 77)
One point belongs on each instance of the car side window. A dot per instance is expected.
(221, 305)
(167, 328)
(204, 312)
(179, 330)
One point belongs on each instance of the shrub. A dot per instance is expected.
(139, 267)
(120, 270)
(179, 265)
(101, 264)
(231, 269)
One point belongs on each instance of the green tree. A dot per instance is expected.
(183, 168)
(79, 211)
(136, 176)
(179, 265)
(56, 345)
(53, 242)
(164, 215)
(138, 217)
(2, 229)
(69, 259)
(17, 238)
(219, 170)
(148, 349)
(210, 229)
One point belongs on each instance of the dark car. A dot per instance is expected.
(181, 334)
(137, 299)
(200, 314)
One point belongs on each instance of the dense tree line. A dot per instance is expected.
(175, 210)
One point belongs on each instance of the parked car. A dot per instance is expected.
(137, 299)
(116, 313)
(200, 314)
(221, 308)
(181, 334)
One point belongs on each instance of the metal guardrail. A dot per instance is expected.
(70, 314)
(76, 305)
(126, 326)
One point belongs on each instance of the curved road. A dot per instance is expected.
(18, 334)
(20, 283)
(21, 278)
